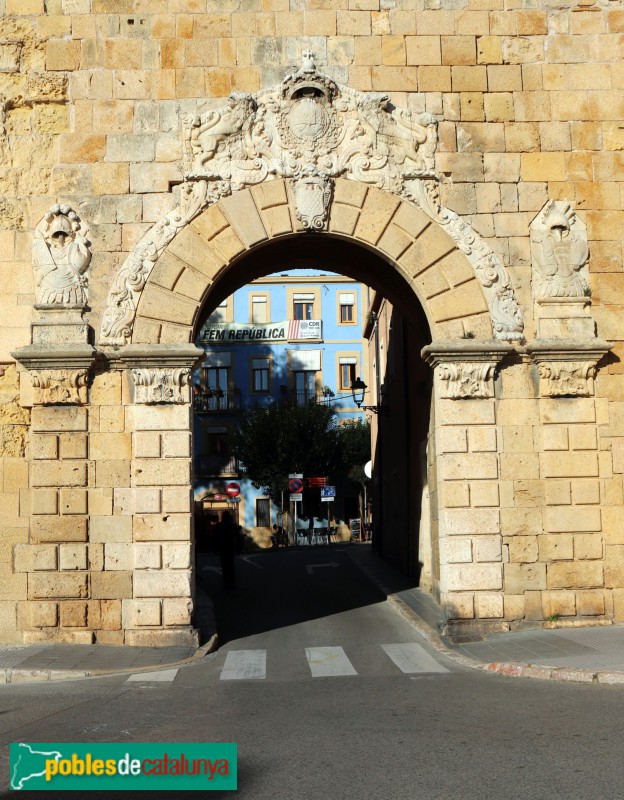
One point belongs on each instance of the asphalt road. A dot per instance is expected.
(367, 730)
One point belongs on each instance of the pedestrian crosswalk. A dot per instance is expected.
(292, 663)
(325, 662)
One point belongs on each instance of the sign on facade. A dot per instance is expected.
(289, 330)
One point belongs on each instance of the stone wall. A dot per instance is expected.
(530, 108)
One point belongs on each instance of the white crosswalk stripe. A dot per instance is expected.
(328, 662)
(244, 665)
(161, 675)
(411, 657)
(323, 662)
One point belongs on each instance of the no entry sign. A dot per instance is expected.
(232, 490)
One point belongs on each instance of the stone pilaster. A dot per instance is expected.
(469, 497)
(56, 558)
(155, 507)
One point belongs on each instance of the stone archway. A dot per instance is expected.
(422, 252)
(308, 155)
(308, 159)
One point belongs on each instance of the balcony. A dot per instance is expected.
(214, 401)
(305, 398)
(216, 466)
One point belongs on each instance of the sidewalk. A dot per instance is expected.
(587, 655)
(58, 662)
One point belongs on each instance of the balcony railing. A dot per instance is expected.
(209, 401)
(304, 398)
(216, 465)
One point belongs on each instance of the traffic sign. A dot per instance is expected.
(328, 493)
(296, 498)
(295, 485)
(232, 490)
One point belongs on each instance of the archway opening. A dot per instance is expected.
(391, 328)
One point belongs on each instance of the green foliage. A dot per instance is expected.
(354, 445)
(281, 439)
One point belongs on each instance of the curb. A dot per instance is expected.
(510, 669)
(13, 676)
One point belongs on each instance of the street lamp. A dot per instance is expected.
(358, 388)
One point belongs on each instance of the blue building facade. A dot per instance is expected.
(296, 337)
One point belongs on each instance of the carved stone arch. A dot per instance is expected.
(422, 252)
(308, 156)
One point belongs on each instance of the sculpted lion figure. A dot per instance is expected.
(217, 125)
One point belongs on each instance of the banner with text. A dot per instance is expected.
(289, 330)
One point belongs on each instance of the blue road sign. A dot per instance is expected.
(328, 491)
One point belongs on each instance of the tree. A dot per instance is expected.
(275, 441)
(355, 448)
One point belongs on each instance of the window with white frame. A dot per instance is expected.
(303, 305)
(259, 306)
(347, 367)
(347, 307)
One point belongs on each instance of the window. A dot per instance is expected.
(263, 512)
(304, 365)
(260, 368)
(259, 312)
(214, 387)
(305, 387)
(217, 443)
(347, 367)
(303, 305)
(347, 307)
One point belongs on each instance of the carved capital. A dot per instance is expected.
(567, 368)
(59, 386)
(59, 373)
(168, 385)
(465, 369)
(566, 378)
(158, 373)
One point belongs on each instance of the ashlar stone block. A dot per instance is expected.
(73, 557)
(558, 604)
(474, 577)
(43, 585)
(568, 575)
(520, 578)
(162, 584)
(556, 547)
(177, 611)
(138, 613)
(489, 606)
